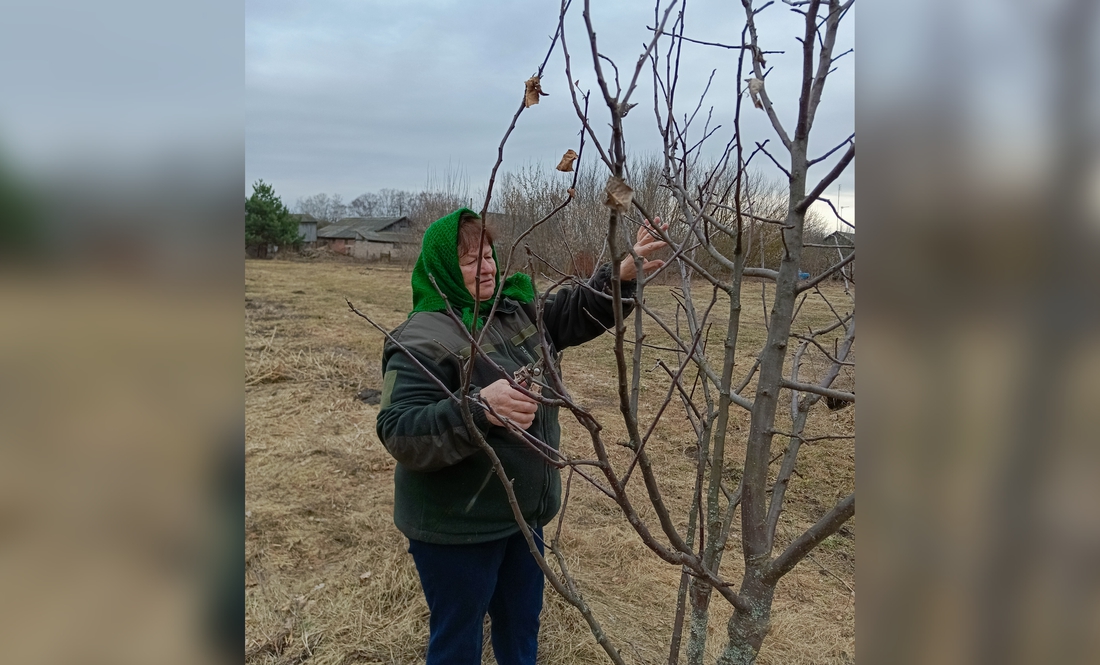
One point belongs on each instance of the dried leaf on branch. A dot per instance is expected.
(758, 55)
(566, 163)
(619, 194)
(755, 86)
(534, 89)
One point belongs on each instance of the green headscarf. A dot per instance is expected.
(439, 258)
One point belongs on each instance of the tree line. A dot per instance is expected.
(577, 240)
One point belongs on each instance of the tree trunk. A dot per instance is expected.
(747, 630)
(699, 593)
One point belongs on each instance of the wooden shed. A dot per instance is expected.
(307, 228)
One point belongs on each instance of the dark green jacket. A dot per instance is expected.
(445, 489)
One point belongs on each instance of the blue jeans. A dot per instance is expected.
(463, 582)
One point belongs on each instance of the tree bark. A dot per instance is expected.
(747, 629)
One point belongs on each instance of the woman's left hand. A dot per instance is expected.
(647, 243)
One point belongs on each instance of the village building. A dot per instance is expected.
(371, 238)
(307, 228)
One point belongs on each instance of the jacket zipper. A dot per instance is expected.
(517, 353)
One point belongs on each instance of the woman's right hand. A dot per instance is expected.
(649, 241)
(509, 403)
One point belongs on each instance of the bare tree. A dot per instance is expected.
(325, 208)
(720, 216)
(383, 203)
(525, 195)
(365, 205)
(440, 197)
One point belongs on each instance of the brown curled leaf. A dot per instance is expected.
(572, 192)
(566, 163)
(533, 90)
(755, 86)
(619, 194)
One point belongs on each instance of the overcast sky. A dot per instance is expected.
(351, 96)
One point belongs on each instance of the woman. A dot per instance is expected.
(469, 552)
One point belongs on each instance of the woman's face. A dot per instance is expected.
(479, 271)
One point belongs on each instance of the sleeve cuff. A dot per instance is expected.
(477, 412)
(601, 281)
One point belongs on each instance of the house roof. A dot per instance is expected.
(365, 224)
(304, 218)
(367, 228)
(392, 236)
(338, 231)
(840, 238)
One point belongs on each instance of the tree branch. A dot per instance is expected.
(500, 149)
(645, 55)
(757, 66)
(813, 536)
(764, 273)
(838, 147)
(828, 179)
(836, 212)
(774, 161)
(696, 41)
(817, 390)
(811, 283)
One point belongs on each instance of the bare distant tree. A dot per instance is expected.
(420, 207)
(365, 205)
(527, 194)
(383, 203)
(326, 208)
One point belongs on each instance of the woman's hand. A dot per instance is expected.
(648, 242)
(509, 403)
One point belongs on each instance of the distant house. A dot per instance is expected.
(371, 238)
(844, 244)
(307, 228)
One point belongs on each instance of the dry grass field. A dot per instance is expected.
(328, 579)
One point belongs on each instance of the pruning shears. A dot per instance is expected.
(529, 376)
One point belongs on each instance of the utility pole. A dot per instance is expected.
(839, 206)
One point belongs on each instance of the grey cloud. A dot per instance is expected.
(361, 96)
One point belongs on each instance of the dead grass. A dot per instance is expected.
(323, 556)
